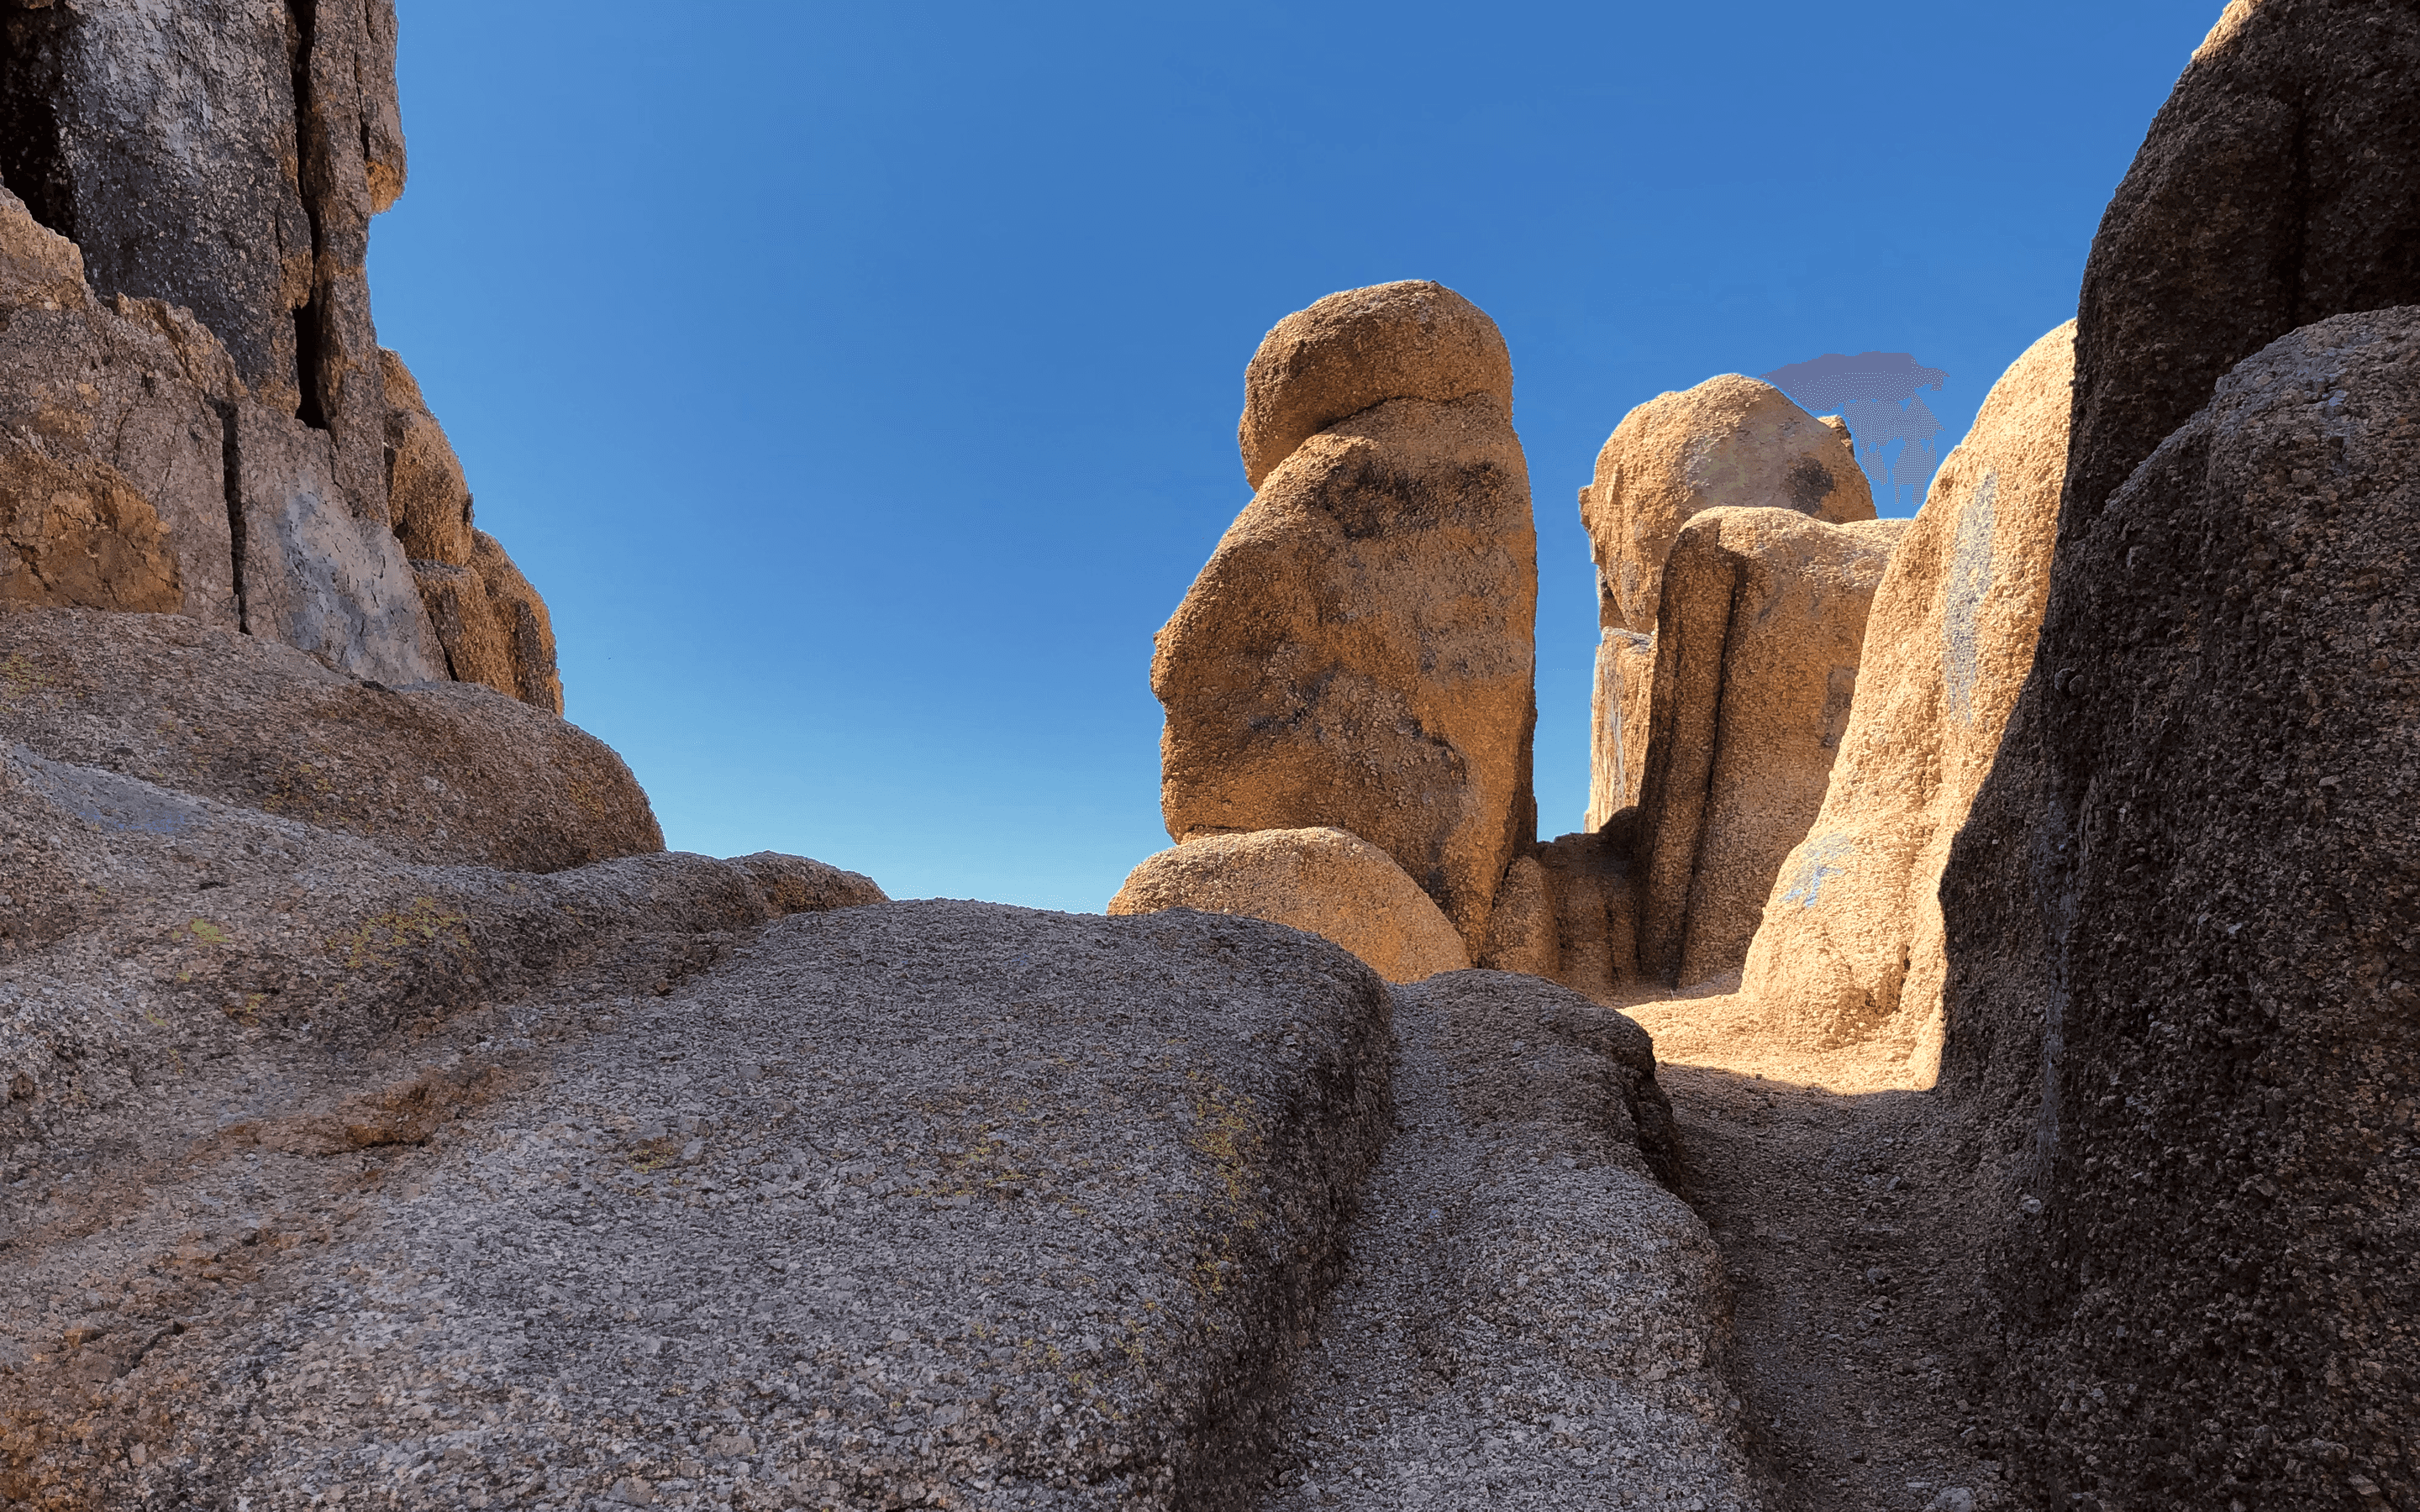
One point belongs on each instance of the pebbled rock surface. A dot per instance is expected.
(1762, 625)
(1354, 349)
(1530, 1319)
(2280, 184)
(1851, 944)
(1360, 650)
(2184, 988)
(588, 1190)
(434, 772)
(1324, 881)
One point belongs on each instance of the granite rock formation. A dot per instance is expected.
(1321, 881)
(1762, 622)
(1480, 1353)
(2193, 1073)
(1361, 348)
(1850, 942)
(1358, 652)
(1731, 442)
(597, 1187)
(194, 399)
(2278, 185)
(435, 773)
(1624, 692)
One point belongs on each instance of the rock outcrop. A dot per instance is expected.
(1850, 942)
(1323, 881)
(226, 158)
(1731, 442)
(492, 626)
(1349, 351)
(1625, 687)
(1761, 621)
(440, 772)
(2279, 184)
(1531, 1321)
(1360, 651)
(2181, 964)
(596, 1188)
(195, 407)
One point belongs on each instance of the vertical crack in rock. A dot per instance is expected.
(33, 162)
(231, 471)
(302, 17)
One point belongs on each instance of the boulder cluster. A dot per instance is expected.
(1353, 674)
(388, 1120)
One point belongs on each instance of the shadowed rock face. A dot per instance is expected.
(195, 404)
(1360, 651)
(1850, 946)
(1321, 881)
(2279, 184)
(1761, 629)
(225, 156)
(2181, 968)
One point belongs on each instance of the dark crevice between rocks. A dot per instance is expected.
(32, 161)
(232, 480)
(310, 317)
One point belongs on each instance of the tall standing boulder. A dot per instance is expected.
(2181, 963)
(1360, 651)
(2279, 184)
(1850, 942)
(1761, 627)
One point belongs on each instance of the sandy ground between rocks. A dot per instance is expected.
(1834, 1183)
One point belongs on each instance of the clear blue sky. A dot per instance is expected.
(859, 383)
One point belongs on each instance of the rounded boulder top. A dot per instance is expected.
(1408, 340)
(1731, 441)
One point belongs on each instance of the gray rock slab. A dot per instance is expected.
(1530, 1319)
(316, 575)
(868, 1207)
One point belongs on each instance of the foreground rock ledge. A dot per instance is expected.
(900, 1202)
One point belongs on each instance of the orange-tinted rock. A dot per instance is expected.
(1358, 652)
(1412, 340)
(80, 535)
(1851, 943)
(1324, 881)
(1763, 619)
(1522, 935)
(1625, 682)
(428, 499)
(1731, 442)
(528, 630)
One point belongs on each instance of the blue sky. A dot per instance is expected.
(859, 383)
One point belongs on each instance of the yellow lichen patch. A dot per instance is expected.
(389, 938)
(203, 931)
